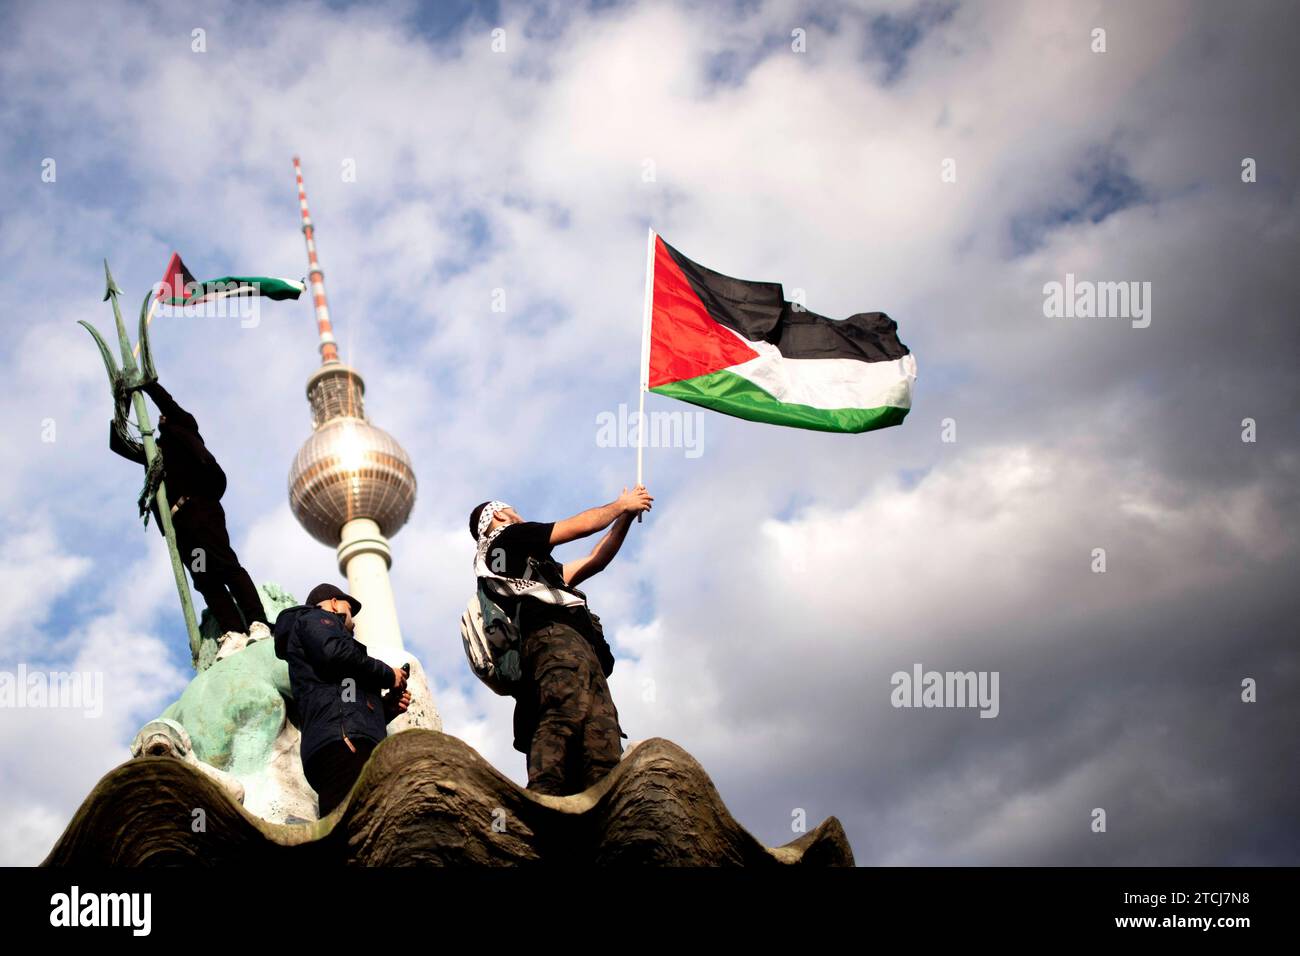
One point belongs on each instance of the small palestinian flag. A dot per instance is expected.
(740, 348)
(179, 288)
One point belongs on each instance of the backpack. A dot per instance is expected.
(492, 641)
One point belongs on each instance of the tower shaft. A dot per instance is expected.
(364, 557)
(328, 348)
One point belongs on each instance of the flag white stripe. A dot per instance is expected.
(829, 383)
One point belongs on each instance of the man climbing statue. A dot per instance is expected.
(565, 719)
(195, 484)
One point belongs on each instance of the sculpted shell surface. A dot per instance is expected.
(426, 798)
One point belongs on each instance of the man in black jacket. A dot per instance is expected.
(336, 686)
(195, 484)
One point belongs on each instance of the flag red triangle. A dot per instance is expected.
(174, 280)
(685, 340)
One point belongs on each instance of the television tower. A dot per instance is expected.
(351, 485)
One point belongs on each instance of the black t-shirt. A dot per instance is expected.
(510, 550)
(508, 556)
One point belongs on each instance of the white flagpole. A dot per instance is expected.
(645, 351)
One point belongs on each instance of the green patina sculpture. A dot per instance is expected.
(235, 708)
(235, 722)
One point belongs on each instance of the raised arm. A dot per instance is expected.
(575, 572)
(597, 519)
(167, 405)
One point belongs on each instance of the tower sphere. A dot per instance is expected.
(348, 468)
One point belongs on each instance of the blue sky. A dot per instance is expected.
(784, 575)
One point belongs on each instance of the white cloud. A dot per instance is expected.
(34, 573)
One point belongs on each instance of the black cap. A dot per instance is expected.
(323, 592)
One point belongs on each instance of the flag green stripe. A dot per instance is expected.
(267, 286)
(736, 395)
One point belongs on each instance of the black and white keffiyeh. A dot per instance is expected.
(512, 587)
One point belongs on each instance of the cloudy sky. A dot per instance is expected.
(937, 161)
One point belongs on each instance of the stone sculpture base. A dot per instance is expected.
(426, 798)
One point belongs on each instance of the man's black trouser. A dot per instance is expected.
(226, 587)
(334, 768)
(564, 714)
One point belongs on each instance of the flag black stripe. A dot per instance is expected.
(760, 312)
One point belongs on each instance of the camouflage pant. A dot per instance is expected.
(575, 735)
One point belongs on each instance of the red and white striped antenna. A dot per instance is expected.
(329, 352)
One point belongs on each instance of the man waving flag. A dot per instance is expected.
(740, 348)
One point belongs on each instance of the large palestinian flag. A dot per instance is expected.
(179, 288)
(740, 348)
